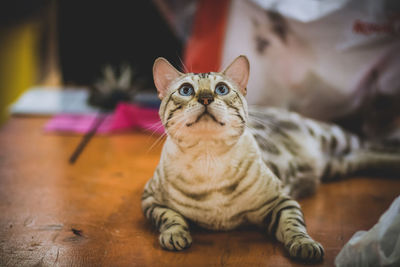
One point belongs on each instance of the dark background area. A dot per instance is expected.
(15, 11)
(91, 35)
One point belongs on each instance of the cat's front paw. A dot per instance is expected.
(306, 249)
(175, 239)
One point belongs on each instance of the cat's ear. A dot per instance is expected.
(164, 73)
(239, 71)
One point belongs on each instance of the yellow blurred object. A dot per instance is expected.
(18, 62)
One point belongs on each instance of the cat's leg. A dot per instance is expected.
(173, 228)
(285, 221)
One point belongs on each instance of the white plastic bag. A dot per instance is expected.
(380, 246)
(325, 59)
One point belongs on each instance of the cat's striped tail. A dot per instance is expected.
(367, 159)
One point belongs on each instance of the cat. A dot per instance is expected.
(224, 164)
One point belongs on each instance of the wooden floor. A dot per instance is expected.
(88, 214)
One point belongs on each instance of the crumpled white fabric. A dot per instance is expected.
(380, 246)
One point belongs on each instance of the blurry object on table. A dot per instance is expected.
(113, 87)
(330, 60)
(47, 101)
(125, 118)
(121, 85)
(72, 113)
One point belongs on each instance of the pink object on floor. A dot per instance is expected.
(125, 117)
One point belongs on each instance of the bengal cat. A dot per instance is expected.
(224, 165)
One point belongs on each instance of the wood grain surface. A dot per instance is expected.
(88, 214)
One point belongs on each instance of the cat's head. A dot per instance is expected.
(209, 105)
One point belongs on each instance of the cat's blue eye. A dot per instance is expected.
(221, 89)
(186, 90)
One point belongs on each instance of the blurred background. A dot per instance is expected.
(68, 43)
(330, 60)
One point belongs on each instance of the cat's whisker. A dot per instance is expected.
(158, 140)
(156, 131)
(160, 125)
(178, 119)
(154, 127)
(252, 118)
(185, 69)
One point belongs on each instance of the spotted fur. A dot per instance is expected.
(224, 165)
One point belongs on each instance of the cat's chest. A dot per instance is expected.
(203, 169)
(207, 162)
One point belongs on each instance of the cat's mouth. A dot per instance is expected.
(202, 115)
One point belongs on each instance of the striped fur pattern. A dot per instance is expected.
(303, 152)
(224, 165)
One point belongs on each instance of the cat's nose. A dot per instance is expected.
(205, 99)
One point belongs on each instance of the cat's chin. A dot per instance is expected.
(205, 127)
(202, 128)
(207, 131)
(205, 119)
